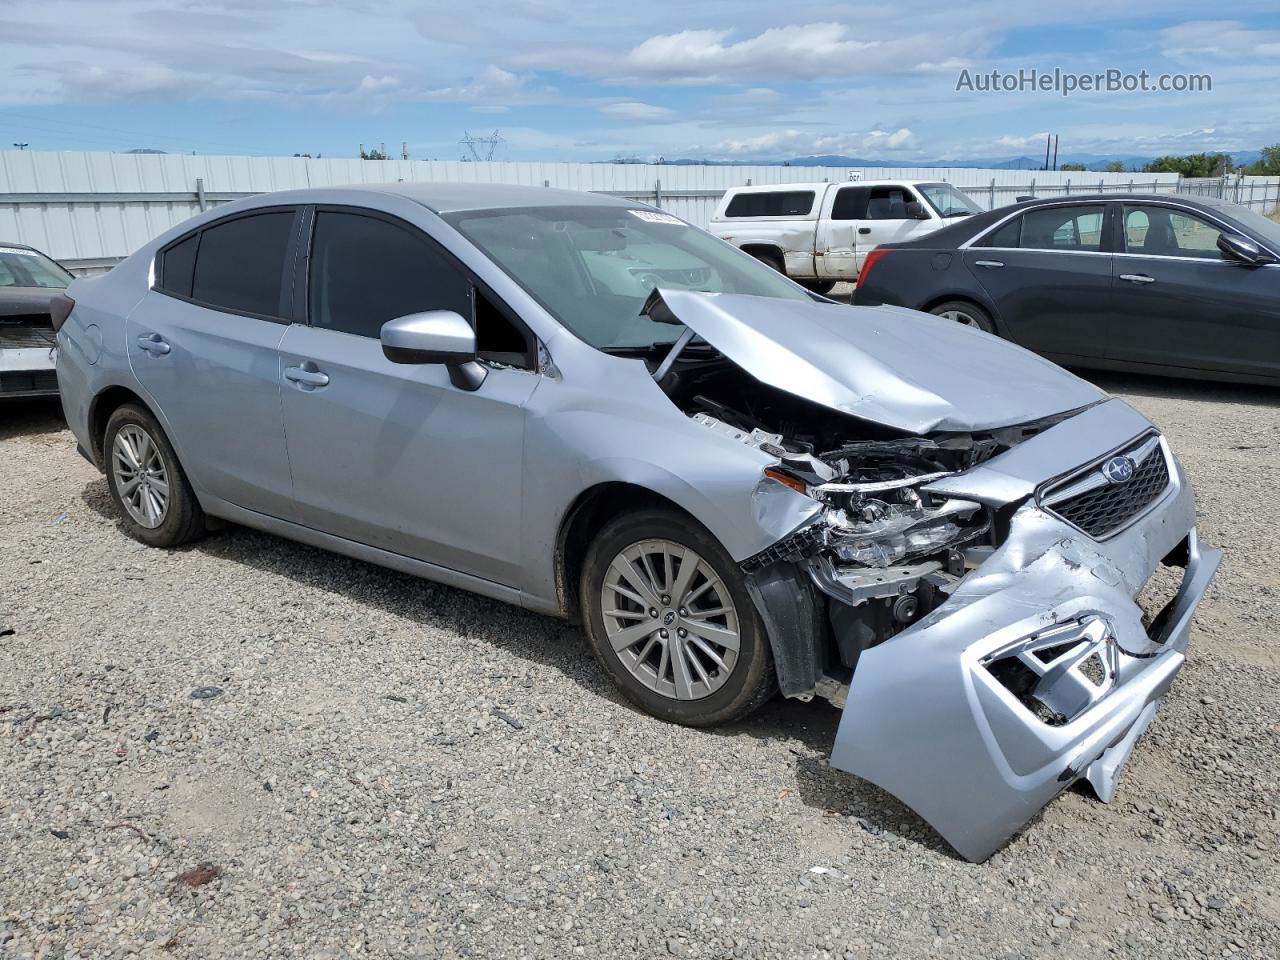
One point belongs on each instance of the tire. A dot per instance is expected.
(820, 287)
(160, 509)
(773, 260)
(708, 693)
(969, 314)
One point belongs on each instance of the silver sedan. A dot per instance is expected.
(587, 407)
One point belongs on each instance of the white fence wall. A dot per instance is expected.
(91, 209)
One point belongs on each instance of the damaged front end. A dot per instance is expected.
(987, 655)
(968, 595)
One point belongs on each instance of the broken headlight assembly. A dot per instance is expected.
(898, 525)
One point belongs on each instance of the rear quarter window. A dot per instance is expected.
(781, 203)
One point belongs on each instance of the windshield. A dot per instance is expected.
(27, 268)
(947, 200)
(593, 267)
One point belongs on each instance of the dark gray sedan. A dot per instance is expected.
(1153, 283)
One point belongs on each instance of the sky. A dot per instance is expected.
(593, 81)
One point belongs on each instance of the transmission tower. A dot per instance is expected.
(481, 149)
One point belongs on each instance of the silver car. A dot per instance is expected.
(587, 407)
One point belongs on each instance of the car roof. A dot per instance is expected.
(453, 197)
(823, 184)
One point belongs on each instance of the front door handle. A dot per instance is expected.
(307, 375)
(989, 264)
(1137, 278)
(864, 230)
(154, 344)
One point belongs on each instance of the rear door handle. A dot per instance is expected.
(307, 375)
(1137, 278)
(154, 344)
(864, 230)
(989, 264)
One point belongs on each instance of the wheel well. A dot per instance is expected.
(105, 404)
(592, 509)
(765, 249)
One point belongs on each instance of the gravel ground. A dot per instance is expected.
(252, 748)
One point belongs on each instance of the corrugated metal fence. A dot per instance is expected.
(89, 210)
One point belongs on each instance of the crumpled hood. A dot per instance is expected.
(903, 369)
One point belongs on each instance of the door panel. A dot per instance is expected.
(1048, 273)
(1201, 314)
(1177, 302)
(395, 456)
(1050, 302)
(216, 379)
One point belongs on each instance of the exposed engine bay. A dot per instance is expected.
(883, 546)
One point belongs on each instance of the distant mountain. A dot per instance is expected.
(1093, 162)
(145, 150)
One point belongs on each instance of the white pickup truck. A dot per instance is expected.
(819, 233)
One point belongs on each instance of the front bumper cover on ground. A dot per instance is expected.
(1036, 672)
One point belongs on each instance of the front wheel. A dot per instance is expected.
(968, 314)
(669, 618)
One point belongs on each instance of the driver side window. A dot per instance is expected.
(1159, 231)
(366, 270)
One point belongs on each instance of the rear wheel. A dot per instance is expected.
(148, 485)
(821, 287)
(770, 259)
(670, 620)
(966, 313)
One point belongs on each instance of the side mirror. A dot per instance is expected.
(436, 336)
(916, 211)
(1243, 250)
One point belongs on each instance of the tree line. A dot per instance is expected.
(1199, 165)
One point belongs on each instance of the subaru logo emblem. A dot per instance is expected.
(1118, 469)
(669, 618)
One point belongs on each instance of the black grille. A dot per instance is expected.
(1104, 509)
(21, 336)
(34, 381)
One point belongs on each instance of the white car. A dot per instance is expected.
(819, 234)
(28, 282)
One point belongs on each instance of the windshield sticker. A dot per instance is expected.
(650, 216)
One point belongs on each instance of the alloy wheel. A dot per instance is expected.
(141, 478)
(961, 317)
(670, 619)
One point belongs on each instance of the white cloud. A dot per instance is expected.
(635, 110)
(785, 144)
(796, 51)
(1224, 39)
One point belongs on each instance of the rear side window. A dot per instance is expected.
(1006, 236)
(178, 266)
(850, 203)
(789, 203)
(1063, 228)
(240, 265)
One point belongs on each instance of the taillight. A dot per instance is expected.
(60, 308)
(870, 262)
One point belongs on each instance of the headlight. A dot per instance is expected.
(880, 533)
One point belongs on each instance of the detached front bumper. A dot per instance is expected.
(1038, 670)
